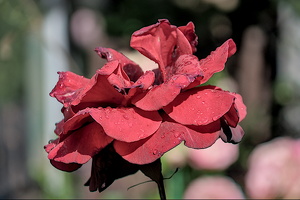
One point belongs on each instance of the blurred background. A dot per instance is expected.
(40, 37)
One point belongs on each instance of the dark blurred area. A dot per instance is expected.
(40, 37)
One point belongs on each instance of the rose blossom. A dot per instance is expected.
(123, 116)
(218, 157)
(274, 170)
(213, 187)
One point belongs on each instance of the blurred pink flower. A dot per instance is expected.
(218, 157)
(274, 170)
(213, 187)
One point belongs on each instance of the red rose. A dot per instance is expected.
(138, 116)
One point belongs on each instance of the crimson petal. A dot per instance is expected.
(169, 135)
(200, 106)
(127, 124)
(133, 70)
(81, 145)
(70, 167)
(215, 62)
(189, 32)
(155, 42)
(161, 95)
(68, 87)
(99, 92)
(142, 84)
(235, 136)
(240, 106)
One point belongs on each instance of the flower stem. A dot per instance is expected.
(161, 188)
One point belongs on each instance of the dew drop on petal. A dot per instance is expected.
(125, 117)
(155, 152)
(177, 134)
(204, 120)
(50, 141)
(141, 136)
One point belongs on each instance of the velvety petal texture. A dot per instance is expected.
(126, 119)
(81, 145)
(200, 106)
(172, 133)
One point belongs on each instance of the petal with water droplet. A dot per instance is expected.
(80, 145)
(127, 124)
(161, 95)
(151, 148)
(188, 105)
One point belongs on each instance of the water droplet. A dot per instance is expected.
(163, 136)
(142, 130)
(215, 118)
(125, 117)
(204, 120)
(203, 102)
(177, 135)
(198, 96)
(130, 124)
(50, 141)
(142, 136)
(155, 152)
(107, 116)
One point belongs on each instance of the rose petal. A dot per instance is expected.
(131, 69)
(70, 167)
(72, 89)
(81, 145)
(188, 65)
(182, 47)
(215, 62)
(199, 106)
(68, 87)
(235, 136)
(142, 84)
(127, 124)
(161, 95)
(99, 92)
(163, 43)
(189, 32)
(232, 116)
(145, 81)
(155, 42)
(79, 120)
(169, 135)
(59, 127)
(240, 106)
(51, 144)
